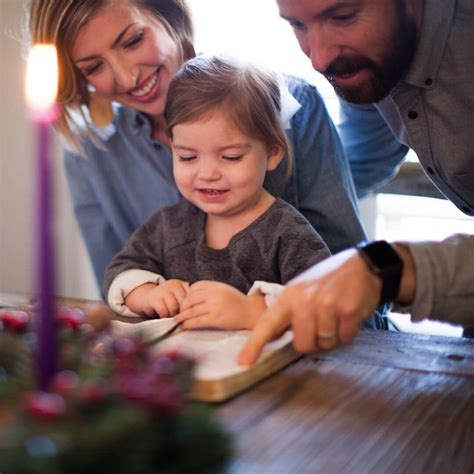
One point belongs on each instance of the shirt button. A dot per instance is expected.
(428, 81)
(430, 170)
(412, 114)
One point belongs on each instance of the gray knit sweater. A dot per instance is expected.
(274, 248)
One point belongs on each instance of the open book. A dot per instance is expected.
(217, 375)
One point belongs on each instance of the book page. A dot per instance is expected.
(150, 330)
(214, 350)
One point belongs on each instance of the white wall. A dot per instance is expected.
(17, 183)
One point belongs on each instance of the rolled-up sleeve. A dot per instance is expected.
(444, 280)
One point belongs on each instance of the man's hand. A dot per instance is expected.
(217, 305)
(163, 300)
(324, 306)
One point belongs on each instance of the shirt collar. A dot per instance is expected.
(436, 25)
(140, 123)
(288, 103)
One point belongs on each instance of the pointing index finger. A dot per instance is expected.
(271, 324)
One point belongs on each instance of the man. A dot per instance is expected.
(404, 70)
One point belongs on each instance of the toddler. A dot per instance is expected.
(232, 240)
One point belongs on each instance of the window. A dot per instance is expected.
(253, 30)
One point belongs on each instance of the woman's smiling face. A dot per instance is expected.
(128, 55)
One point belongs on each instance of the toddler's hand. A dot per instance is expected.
(163, 300)
(215, 304)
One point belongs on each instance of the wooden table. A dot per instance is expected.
(389, 403)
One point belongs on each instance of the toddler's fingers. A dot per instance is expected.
(160, 307)
(180, 294)
(198, 322)
(192, 312)
(193, 298)
(172, 304)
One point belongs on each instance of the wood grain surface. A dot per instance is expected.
(399, 350)
(378, 406)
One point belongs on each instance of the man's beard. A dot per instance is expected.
(386, 74)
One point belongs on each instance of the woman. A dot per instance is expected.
(126, 52)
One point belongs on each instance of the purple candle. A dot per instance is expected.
(41, 90)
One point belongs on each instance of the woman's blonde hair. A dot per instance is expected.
(59, 21)
(248, 95)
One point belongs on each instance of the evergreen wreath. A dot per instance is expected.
(112, 407)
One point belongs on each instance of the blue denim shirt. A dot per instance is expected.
(372, 149)
(431, 111)
(115, 190)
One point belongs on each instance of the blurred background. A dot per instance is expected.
(409, 208)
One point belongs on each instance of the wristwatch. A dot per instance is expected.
(384, 262)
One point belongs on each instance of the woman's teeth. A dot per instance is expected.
(146, 88)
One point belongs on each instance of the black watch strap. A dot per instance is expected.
(384, 262)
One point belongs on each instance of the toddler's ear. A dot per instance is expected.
(275, 156)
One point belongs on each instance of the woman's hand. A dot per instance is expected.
(163, 300)
(217, 305)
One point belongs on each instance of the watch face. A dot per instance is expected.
(381, 254)
(385, 262)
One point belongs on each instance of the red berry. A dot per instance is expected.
(45, 405)
(70, 318)
(175, 355)
(64, 382)
(15, 320)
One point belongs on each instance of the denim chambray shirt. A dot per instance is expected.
(431, 111)
(116, 190)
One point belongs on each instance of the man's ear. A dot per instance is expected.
(275, 155)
